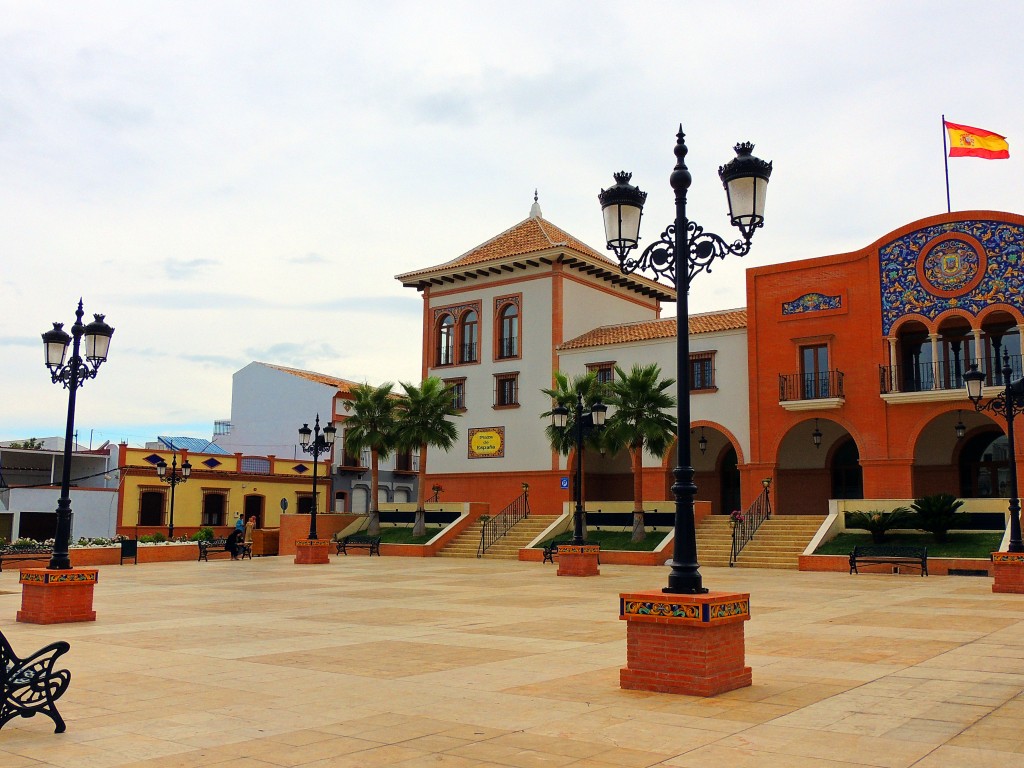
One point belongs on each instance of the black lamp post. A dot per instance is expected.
(684, 251)
(72, 374)
(1007, 404)
(560, 417)
(321, 443)
(174, 479)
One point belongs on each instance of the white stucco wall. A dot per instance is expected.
(726, 407)
(94, 511)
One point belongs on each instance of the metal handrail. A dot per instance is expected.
(743, 530)
(502, 522)
(810, 386)
(948, 375)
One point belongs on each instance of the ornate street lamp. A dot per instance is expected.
(72, 374)
(559, 418)
(684, 251)
(321, 443)
(174, 479)
(816, 435)
(1007, 404)
(960, 428)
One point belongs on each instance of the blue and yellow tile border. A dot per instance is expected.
(45, 577)
(663, 608)
(1015, 558)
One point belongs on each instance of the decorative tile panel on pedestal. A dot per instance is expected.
(686, 644)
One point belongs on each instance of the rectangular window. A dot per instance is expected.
(506, 390)
(814, 372)
(214, 506)
(702, 371)
(605, 372)
(350, 458)
(403, 461)
(458, 388)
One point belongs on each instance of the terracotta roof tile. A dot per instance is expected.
(647, 330)
(528, 236)
(343, 385)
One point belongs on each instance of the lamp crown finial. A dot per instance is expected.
(622, 177)
(744, 148)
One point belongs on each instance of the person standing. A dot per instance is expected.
(250, 526)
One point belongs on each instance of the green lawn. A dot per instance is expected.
(403, 535)
(618, 540)
(970, 545)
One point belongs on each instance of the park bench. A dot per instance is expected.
(244, 550)
(371, 543)
(550, 550)
(889, 554)
(31, 685)
(9, 554)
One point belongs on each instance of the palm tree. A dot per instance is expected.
(567, 393)
(423, 420)
(640, 422)
(372, 425)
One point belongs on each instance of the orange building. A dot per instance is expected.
(871, 359)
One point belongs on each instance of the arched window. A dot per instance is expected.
(469, 338)
(508, 341)
(446, 341)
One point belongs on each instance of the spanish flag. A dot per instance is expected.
(965, 141)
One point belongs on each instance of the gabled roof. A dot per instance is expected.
(530, 243)
(648, 330)
(342, 385)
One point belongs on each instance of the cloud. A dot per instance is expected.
(294, 355)
(184, 270)
(309, 258)
(387, 305)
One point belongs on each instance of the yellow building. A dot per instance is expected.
(219, 488)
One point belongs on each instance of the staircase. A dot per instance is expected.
(506, 548)
(779, 542)
(714, 541)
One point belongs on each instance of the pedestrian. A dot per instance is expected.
(250, 526)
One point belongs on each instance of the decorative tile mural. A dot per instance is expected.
(968, 265)
(811, 302)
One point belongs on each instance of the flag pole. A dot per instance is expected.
(945, 158)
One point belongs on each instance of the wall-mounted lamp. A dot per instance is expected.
(816, 435)
(702, 444)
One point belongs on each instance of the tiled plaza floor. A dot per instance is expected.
(451, 663)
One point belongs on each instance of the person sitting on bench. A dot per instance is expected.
(232, 543)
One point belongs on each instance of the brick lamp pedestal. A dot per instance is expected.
(312, 551)
(578, 560)
(57, 597)
(1008, 569)
(690, 644)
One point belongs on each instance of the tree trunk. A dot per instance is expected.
(373, 529)
(636, 453)
(420, 527)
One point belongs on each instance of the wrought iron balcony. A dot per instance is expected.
(927, 377)
(822, 385)
(508, 347)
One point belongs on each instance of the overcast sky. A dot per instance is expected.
(239, 181)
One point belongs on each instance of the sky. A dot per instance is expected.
(238, 181)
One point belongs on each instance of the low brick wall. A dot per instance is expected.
(937, 566)
(608, 557)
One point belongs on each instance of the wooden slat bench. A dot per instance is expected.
(371, 543)
(889, 554)
(244, 550)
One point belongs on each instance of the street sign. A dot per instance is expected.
(564, 483)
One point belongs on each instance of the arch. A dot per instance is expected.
(469, 335)
(911, 317)
(668, 461)
(1001, 307)
(951, 313)
(444, 338)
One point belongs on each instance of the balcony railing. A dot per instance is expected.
(468, 353)
(508, 347)
(810, 386)
(925, 377)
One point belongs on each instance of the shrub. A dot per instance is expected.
(153, 538)
(203, 534)
(27, 544)
(877, 522)
(938, 514)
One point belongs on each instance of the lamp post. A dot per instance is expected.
(560, 417)
(322, 441)
(684, 251)
(1007, 404)
(173, 479)
(72, 374)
